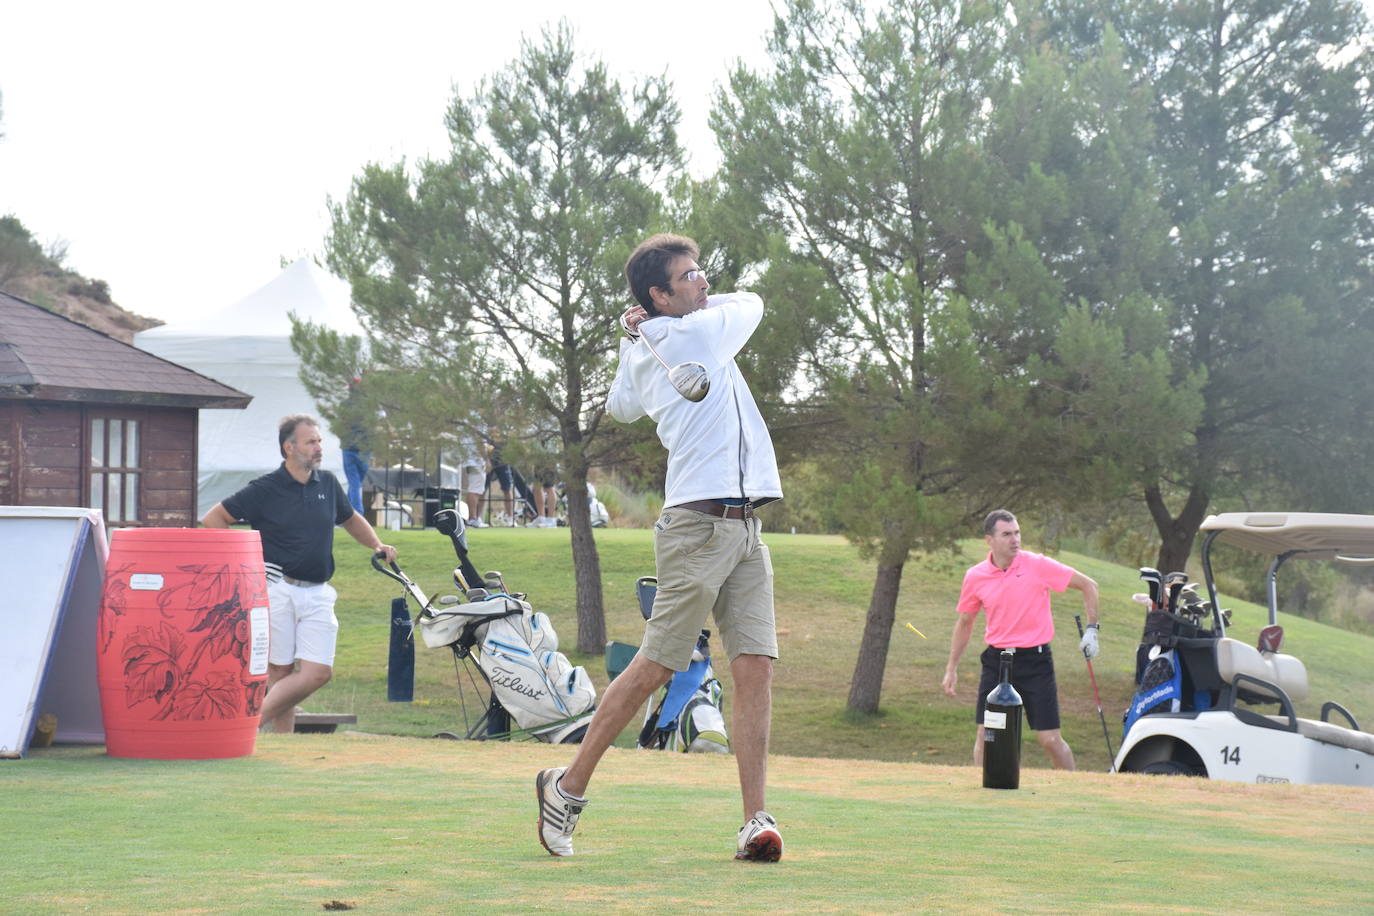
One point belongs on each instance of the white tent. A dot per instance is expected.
(248, 346)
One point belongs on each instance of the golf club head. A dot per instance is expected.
(1154, 581)
(448, 521)
(690, 380)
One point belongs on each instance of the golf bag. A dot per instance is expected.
(1174, 635)
(689, 716)
(516, 649)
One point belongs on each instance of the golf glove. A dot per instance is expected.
(1089, 642)
(632, 333)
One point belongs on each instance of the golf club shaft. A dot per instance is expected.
(644, 337)
(1097, 699)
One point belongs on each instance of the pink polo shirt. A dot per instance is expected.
(1017, 599)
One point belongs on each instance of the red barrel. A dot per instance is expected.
(182, 648)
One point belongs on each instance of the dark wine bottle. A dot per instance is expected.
(1002, 731)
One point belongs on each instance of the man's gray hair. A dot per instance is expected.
(286, 429)
(995, 516)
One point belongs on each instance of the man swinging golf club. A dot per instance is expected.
(1012, 587)
(707, 549)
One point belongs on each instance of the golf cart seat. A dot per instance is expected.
(1234, 657)
(1237, 658)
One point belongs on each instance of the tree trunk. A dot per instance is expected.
(867, 685)
(591, 610)
(1176, 534)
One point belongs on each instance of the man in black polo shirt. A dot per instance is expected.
(295, 509)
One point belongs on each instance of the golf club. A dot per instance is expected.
(1111, 755)
(1174, 582)
(689, 378)
(1154, 581)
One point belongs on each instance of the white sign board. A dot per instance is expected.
(52, 566)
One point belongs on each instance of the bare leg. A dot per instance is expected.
(1058, 749)
(619, 703)
(978, 748)
(287, 687)
(750, 723)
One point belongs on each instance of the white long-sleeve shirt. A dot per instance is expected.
(718, 447)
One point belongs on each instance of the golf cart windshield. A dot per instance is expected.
(1282, 535)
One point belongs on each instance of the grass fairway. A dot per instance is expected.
(404, 825)
(392, 822)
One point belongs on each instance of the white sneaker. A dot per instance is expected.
(477, 523)
(548, 522)
(558, 812)
(759, 840)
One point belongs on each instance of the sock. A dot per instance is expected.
(575, 799)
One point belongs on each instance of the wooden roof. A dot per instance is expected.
(46, 357)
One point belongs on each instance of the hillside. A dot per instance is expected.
(38, 276)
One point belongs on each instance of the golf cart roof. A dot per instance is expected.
(1315, 534)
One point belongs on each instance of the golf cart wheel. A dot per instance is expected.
(1169, 768)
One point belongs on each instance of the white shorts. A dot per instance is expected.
(303, 623)
(474, 479)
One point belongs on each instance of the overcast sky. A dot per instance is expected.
(182, 149)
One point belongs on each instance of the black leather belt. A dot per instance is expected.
(718, 509)
(1045, 647)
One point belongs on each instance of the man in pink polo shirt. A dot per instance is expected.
(1012, 586)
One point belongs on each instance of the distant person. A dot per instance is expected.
(472, 471)
(356, 452)
(295, 509)
(544, 484)
(545, 491)
(707, 550)
(504, 477)
(1012, 587)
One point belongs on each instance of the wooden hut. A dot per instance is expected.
(86, 420)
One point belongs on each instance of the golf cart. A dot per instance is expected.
(1192, 712)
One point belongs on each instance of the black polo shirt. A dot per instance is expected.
(296, 520)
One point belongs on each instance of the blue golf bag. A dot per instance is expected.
(689, 716)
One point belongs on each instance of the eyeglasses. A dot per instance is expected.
(693, 276)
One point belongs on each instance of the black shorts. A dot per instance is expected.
(1032, 675)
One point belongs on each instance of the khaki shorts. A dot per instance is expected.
(708, 565)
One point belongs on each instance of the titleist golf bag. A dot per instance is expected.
(516, 649)
(689, 716)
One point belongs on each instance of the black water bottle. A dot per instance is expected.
(1002, 731)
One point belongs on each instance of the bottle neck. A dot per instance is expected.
(1004, 668)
